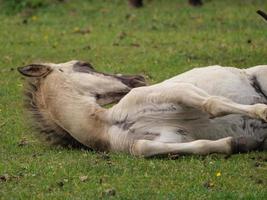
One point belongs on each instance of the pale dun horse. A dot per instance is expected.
(205, 110)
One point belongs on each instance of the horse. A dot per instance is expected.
(205, 110)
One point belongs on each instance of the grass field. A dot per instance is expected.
(160, 40)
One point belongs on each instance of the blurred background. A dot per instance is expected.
(126, 35)
(155, 38)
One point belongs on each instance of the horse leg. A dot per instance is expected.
(219, 106)
(149, 148)
(188, 95)
(228, 145)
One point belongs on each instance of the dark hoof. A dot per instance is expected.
(264, 145)
(245, 144)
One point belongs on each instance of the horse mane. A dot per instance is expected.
(43, 123)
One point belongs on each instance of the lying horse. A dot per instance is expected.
(205, 110)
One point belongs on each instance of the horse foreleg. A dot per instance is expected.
(216, 106)
(188, 95)
(149, 148)
(219, 106)
(228, 145)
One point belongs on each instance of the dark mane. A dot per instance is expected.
(42, 122)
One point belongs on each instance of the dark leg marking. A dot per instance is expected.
(245, 144)
(256, 85)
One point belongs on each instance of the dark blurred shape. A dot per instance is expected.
(25, 21)
(136, 3)
(139, 3)
(195, 2)
(263, 14)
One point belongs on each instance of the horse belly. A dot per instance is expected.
(231, 125)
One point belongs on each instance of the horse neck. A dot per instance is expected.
(76, 113)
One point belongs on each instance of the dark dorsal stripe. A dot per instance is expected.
(256, 85)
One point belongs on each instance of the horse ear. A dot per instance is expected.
(35, 70)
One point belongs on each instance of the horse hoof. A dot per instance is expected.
(245, 144)
(261, 111)
(264, 145)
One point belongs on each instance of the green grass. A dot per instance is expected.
(161, 40)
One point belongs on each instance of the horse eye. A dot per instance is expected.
(85, 64)
(83, 67)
